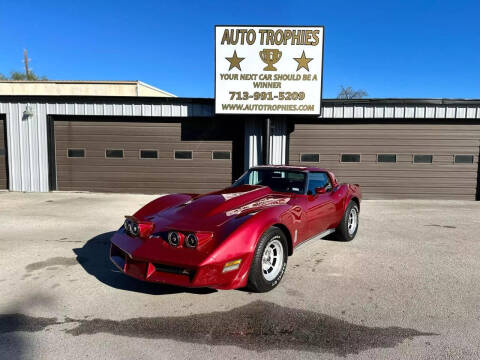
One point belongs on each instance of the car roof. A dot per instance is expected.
(290, 167)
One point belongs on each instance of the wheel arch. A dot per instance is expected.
(288, 235)
(356, 201)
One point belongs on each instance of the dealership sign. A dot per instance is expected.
(268, 69)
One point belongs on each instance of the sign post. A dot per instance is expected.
(269, 70)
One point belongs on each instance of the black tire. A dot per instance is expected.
(342, 232)
(256, 279)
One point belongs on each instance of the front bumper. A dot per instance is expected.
(160, 269)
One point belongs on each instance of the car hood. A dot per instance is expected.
(209, 211)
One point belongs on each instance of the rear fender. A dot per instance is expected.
(354, 191)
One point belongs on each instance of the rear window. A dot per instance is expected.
(277, 180)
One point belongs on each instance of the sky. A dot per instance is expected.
(407, 48)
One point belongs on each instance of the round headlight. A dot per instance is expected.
(173, 238)
(191, 241)
(134, 229)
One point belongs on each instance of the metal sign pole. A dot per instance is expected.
(266, 142)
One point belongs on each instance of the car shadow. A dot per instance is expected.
(95, 260)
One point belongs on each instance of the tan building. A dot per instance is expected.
(80, 88)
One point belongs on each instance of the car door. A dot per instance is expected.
(320, 208)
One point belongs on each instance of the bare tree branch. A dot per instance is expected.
(350, 93)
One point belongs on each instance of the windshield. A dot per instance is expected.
(277, 180)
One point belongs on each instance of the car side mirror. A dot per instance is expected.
(320, 190)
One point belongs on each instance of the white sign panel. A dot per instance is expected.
(268, 69)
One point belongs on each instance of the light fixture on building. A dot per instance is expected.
(28, 113)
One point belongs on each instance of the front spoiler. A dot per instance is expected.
(179, 275)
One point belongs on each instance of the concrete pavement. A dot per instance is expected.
(406, 287)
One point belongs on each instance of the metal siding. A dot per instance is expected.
(147, 110)
(471, 112)
(338, 112)
(99, 109)
(409, 112)
(368, 112)
(167, 110)
(348, 112)
(358, 112)
(430, 112)
(3, 160)
(327, 112)
(399, 112)
(379, 112)
(70, 108)
(108, 109)
(419, 112)
(440, 112)
(389, 111)
(43, 146)
(253, 143)
(79, 108)
(185, 110)
(278, 141)
(156, 110)
(450, 112)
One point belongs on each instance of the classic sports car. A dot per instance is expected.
(239, 236)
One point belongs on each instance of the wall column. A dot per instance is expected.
(254, 129)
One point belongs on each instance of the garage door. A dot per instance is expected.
(137, 157)
(394, 160)
(3, 156)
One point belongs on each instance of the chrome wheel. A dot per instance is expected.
(352, 221)
(272, 260)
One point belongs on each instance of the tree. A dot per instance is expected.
(16, 75)
(350, 93)
(28, 75)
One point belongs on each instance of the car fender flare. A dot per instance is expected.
(354, 193)
(270, 217)
(249, 233)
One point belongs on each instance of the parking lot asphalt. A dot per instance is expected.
(407, 287)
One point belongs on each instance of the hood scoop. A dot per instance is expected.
(243, 195)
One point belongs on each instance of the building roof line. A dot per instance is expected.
(155, 88)
(211, 101)
(73, 81)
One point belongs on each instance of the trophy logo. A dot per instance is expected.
(270, 57)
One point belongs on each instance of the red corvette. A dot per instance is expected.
(239, 236)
